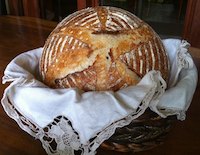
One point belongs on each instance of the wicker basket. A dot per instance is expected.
(146, 132)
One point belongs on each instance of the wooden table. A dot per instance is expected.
(19, 34)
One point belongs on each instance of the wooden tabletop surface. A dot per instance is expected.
(20, 34)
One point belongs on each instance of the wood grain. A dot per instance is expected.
(191, 29)
(19, 34)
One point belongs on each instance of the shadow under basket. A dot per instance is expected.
(143, 133)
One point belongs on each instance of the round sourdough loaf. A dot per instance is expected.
(102, 48)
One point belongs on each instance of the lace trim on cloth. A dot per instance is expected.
(181, 65)
(182, 60)
(67, 141)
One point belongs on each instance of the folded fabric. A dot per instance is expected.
(182, 82)
(82, 116)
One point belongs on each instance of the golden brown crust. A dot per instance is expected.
(103, 48)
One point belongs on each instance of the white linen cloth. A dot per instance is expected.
(78, 120)
(182, 82)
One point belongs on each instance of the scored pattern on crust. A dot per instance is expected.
(74, 33)
(86, 18)
(148, 56)
(72, 80)
(117, 21)
(104, 18)
(56, 44)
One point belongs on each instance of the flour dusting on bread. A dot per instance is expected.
(102, 48)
